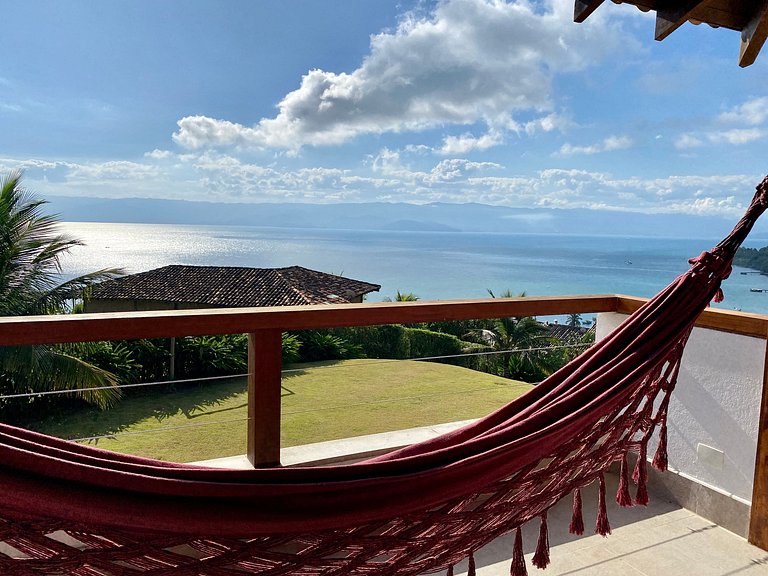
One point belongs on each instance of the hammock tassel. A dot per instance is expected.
(471, 570)
(450, 571)
(660, 458)
(640, 476)
(541, 557)
(518, 559)
(577, 520)
(623, 498)
(719, 296)
(602, 526)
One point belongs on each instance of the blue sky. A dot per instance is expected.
(507, 103)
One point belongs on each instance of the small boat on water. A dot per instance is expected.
(756, 290)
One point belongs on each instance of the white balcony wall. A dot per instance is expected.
(715, 409)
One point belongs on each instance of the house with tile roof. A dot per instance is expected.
(180, 287)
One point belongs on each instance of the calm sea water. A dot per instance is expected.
(433, 265)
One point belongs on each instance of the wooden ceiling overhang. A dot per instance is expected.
(750, 17)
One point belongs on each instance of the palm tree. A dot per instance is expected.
(402, 297)
(30, 252)
(522, 334)
(574, 320)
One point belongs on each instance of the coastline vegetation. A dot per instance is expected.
(754, 258)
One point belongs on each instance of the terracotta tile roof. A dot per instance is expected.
(223, 286)
(568, 334)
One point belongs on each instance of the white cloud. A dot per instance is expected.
(467, 143)
(457, 168)
(200, 131)
(468, 61)
(607, 145)
(117, 169)
(159, 154)
(752, 113)
(737, 135)
(688, 141)
(10, 107)
(708, 206)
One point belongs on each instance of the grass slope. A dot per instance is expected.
(321, 401)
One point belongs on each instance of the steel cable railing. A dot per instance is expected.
(287, 371)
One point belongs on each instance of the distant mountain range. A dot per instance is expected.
(434, 217)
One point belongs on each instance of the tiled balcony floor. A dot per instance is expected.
(658, 540)
(661, 539)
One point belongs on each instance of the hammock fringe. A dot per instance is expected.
(518, 567)
(471, 569)
(640, 475)
(541, 556)
(623, 498)
(602, 526)
(577, 518)
(660, 459)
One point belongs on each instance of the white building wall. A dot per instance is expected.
(715, 408)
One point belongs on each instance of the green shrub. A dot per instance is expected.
(291, 346)
(387, 341)
(206, 356)
(426, 343)
(319, 345)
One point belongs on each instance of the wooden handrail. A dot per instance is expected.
(742, 323)
(22, 330)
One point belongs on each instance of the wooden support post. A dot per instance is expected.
(669, 20)
(754, 34)
(583, 8)
(264, 367)
(758, 520)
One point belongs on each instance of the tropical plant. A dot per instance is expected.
(319, 345)
(402, 297)
(206, 356)
(290, 348)
(574, 321)
(525, 337)
(30, 273)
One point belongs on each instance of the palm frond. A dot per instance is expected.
(31, 369)
(31, 247)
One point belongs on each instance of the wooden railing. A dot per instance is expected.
(265, 326)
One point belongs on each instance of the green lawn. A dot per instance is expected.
(321, 401)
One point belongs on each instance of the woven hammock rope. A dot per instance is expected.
(69, 509)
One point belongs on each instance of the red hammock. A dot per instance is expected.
(76, 510)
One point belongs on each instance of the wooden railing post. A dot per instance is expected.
(758, 518)
(264, 367)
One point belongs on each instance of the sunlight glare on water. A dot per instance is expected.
(433, 265)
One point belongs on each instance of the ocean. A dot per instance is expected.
(432, 265)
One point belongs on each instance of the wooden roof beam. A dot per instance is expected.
(670, 19)
(754, 34)
(583, 8)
